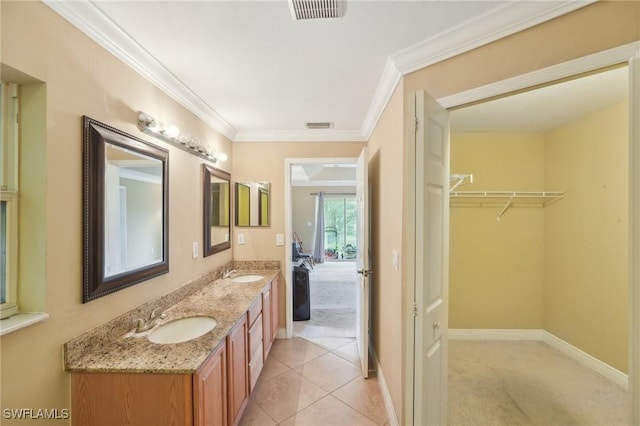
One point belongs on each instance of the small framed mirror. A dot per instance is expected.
(252, 204)
(126, 215)
(216, 187)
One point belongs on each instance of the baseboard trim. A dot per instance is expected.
(281, 333)
(584, 358)
(384, 389)
(616, 376)
(497, 334)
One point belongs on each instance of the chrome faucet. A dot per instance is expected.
(144, 325)
(228, 273)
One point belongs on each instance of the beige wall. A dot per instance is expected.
(586, 235)
(385, 179)
(264, 162)
(496, 268)
(83, 79)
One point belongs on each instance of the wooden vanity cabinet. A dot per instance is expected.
(267, 330)
(210, 390)
(106, 399)
(237, 371)
(274, 309)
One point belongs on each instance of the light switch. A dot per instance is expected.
(195, 250)
(309, 223)
(395, 259)
(240, 238)
(279, 239)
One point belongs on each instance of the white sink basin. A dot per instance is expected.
(247, 278)
(182, 330)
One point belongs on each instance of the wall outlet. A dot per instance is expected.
(240, 238)
(279, 239)
(195, 250)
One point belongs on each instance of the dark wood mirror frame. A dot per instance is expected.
(95, 137)
(212, 247)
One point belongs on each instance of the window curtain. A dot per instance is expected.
(318, 238)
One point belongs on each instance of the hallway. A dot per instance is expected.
(315, 381)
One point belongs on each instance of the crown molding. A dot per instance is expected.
(494, 25)
(89, 19)
(390, 78)
(300, 136)
(501, 22)
(513, 17)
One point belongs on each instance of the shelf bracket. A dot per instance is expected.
(506, 207)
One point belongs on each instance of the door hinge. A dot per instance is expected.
(415, 309)
(415, 123)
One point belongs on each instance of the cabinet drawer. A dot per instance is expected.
(255, 336)
(254, 310)
(255, 367)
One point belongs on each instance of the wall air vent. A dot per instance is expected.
(316, 9)
(319, 125)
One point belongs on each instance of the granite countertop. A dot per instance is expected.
(112, 351)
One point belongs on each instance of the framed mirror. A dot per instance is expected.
(252, 203)
(216, 187)
(126, 215)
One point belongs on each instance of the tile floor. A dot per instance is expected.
(315, 381)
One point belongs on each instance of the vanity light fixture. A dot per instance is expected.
(172, 134)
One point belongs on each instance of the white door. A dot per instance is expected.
(431, 260)
(362, 261)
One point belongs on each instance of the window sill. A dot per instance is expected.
(19, 321)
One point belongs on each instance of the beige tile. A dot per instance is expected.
(330, 343)
(329, 371)
(329, 411)
(285, 394)
(296, 351)
(272, 367)
(365, 396)
(255, 416)
(349, 352)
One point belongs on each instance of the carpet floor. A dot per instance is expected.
(333, 302)
(528, 383)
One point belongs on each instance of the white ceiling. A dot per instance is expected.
(544, 108)
(251, 72)
(323, 174)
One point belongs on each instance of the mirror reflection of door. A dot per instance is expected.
(243, 204)
(263, 206)
(219, 211)
(133, 210)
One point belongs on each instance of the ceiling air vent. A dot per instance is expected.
(316, 9)
(319, 125)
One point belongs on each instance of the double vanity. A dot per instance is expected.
(194, 361)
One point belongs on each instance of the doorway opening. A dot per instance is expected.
(527, 267)
(321, 215)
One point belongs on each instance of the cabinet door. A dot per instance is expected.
(210, 390)
(274, 309)
(266, 320)
(237, 376)
(105, 399)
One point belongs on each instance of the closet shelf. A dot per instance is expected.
(506, 199)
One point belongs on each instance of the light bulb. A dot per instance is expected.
(172, 131)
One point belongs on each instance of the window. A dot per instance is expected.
(9, 133)
(340, 228)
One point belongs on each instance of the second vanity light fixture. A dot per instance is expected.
(171, 134)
